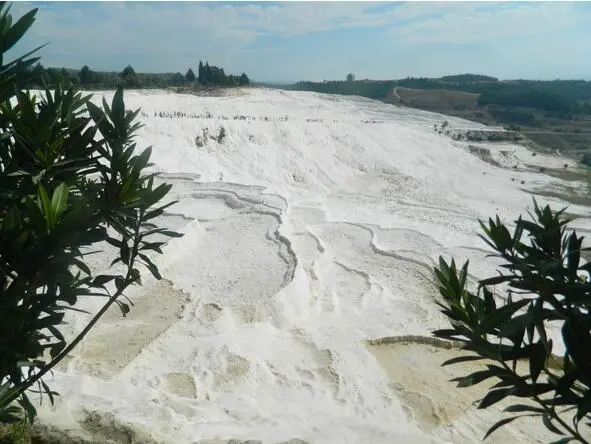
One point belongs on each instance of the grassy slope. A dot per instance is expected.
(569, 136)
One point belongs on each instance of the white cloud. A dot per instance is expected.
(176, 34)
(478, 22)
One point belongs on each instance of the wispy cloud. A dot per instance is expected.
(169, 36)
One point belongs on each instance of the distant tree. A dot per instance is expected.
(38, 72)
(177, 79)
(190, 76)
(38, 69)
(231, 80)
(65, 76)
(244, 80)
(86, 75)
(218, 76)
(129, 77)
(201, 73)
(208, 73)
(350, 77)
(53, 76)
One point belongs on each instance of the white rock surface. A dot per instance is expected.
(309, 230)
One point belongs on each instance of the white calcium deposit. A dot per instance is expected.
(310, 231)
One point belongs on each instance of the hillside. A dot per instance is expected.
(553, 115)
(298, 307)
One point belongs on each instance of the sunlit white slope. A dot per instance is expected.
(310, 229)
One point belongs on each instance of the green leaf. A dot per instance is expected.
(493, 397)
(119, 283)
(56, 349)
(446, 333)
(28, 407)
(124, 308)
(548, 423)
(118, 109)
(499, 424)
(474, 378)
(49, 392)
(142, 160)
(150, 265)
(102, 279)
(136, 276)
(501, 316)
(584, 406)
(82, 266)
(169, 233)
(462, 359)
(55, 332)
(154, 246)
(125, 252)
(523, 408)
(10, 414)
(12, 219)
(495, 280)
(100, 120)
(537, 359)
(577, 340)
(158, 193)
(45, 206)
(158, 211)
(59, 199)
(18, 30)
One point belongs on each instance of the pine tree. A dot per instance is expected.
(85, 75)
(190, 75)
(129, 77)
(244, 80)
(201, 73)
(52, 76)
(208, 73)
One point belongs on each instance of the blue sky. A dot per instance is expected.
(275, 41)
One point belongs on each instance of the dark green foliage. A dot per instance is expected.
(468, 78)
(129, 77)
(208, 73)
(547, 282)
(512, 116)
(556, 98)
(71, 178)
(350, 77)
(201, 73)
(243, 80)
(190, 76)
(38, 71)
(177, 79)
(526, 96)
(89, 79)
(213, 75)
(86, 76)
(370, 89)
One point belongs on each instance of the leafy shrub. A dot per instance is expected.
(70, 179)
(546, 283)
